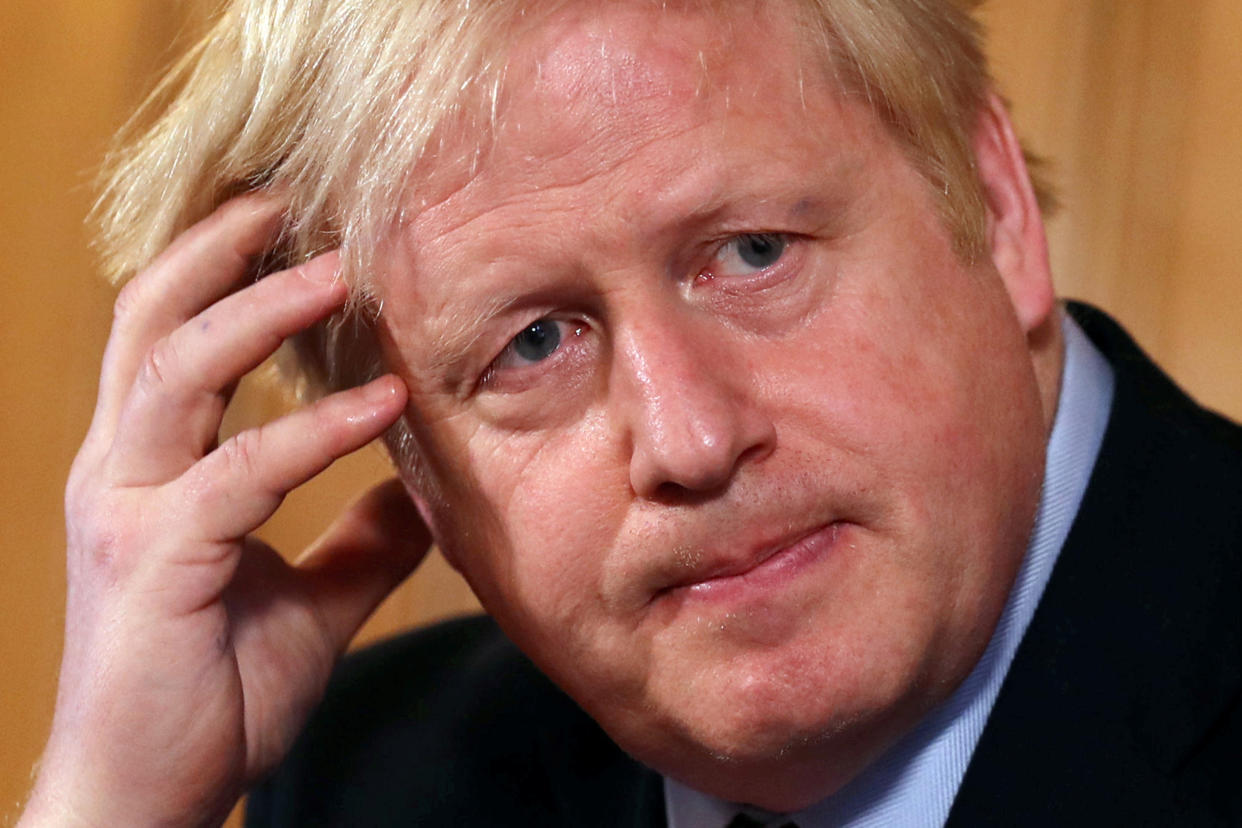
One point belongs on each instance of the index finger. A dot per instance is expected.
(204, 264)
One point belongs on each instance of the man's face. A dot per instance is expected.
(715, 422)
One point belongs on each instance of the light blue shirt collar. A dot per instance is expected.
(913, 785)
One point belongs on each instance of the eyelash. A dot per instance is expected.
(571, 330)
(780, 242)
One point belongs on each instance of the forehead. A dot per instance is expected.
(618, 62)
(622, 132)
(592, 83)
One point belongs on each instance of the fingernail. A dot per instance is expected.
(384, 388)
(263, 203)
(325, 267)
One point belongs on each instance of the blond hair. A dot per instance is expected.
(337, 102)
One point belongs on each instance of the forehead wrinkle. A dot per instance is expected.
(610, 76)
(456, 211)
(594, 81)
(621, 59)
(690, 194)
(634, 52)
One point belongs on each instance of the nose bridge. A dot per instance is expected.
(691, 415)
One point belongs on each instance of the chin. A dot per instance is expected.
(770, 743)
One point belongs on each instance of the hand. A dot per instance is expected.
(193, 652)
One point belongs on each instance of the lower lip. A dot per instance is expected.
(771, 574)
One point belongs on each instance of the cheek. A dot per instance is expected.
(919, 378)
(930, 354)
(556, 501)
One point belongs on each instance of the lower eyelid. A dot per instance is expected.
(789, 258)
(495, 375)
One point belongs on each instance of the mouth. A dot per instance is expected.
(767, 567)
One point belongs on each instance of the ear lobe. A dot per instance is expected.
(422, 504)
(1015, 234)
(451, 559)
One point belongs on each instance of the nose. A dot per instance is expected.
(691, 412)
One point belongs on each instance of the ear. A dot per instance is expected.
(416, 488)
(1016, 240)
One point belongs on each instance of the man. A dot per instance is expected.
(726, 367)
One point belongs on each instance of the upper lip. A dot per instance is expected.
(707, 566)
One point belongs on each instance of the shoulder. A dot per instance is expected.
(1126, 693)
(448, 725)
(1167, 466)
(1155, 570)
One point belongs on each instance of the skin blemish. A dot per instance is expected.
(687, 557)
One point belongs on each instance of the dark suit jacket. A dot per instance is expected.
(1122, 705)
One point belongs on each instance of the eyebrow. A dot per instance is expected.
(457, 332)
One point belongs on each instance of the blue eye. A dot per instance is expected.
(543, 351)
(748, 254)
(760, 250)
(538, 342)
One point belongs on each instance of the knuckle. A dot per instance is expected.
(160, 364)
(128, 300)
(83, 492)
(101, 536)
(77, 486)
(243, 451)
(215, 228)
(324, 416)
(78, 505)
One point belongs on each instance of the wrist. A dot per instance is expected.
(60, 802)
(45, 808)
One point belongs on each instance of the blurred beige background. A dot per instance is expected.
(1138, 103)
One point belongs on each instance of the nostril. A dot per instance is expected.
(676, 494)
(754, 453)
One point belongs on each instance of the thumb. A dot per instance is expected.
(370, 549)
